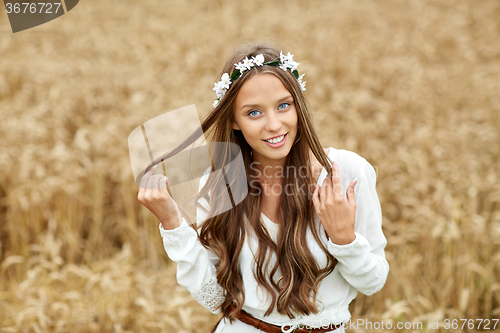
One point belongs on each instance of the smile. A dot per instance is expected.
(276, 139)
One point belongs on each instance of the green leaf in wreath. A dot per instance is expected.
(235, 75)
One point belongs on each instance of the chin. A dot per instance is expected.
(277, 153)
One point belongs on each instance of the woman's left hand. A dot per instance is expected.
(336, 215)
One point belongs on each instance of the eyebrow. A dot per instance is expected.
(256, 105)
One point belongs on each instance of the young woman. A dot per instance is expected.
(307, 236)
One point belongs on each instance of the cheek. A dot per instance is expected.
(249, 129)
(253, 132)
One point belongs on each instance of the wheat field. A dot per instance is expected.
(412, 86)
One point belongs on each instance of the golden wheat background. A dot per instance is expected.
(412, 86)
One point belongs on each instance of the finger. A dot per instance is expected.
(150, 184)
(337, 188)
(156, 181)
(350, 192)
(145, 177)
(163, 184)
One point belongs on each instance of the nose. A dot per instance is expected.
(273, 123)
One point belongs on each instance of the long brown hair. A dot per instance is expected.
(224, 233)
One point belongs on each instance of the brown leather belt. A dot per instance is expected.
(248, 319)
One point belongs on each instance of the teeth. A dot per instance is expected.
(276, 140)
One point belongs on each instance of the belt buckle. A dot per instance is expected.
(291, 329)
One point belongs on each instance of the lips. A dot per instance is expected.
(276, 139)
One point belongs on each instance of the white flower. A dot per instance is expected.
(247, 63)
(287, 62)
(220, 89)
(221, 93)
(216, 88)
(293, 65)
(302, 84)
(216, 102)
(222, 86)
(258, 59)
(241, 67)
(286, 58)
(283, 57)
(225, 80)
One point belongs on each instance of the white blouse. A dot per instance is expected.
(361, 264)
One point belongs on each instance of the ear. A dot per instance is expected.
(236, 126)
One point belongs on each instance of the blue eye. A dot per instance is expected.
(253, 113)
(283, 106)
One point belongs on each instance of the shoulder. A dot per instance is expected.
(350, 162)
(345, 156)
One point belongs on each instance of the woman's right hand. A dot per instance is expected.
(154, 196)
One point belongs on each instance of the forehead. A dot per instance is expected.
(261, 88)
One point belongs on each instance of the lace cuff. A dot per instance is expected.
(211, 296)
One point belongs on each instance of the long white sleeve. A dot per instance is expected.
(195, 264)
(362, 263)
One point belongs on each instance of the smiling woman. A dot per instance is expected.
(264, 112)
(284, 257)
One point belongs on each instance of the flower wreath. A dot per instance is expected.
(285, 62)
